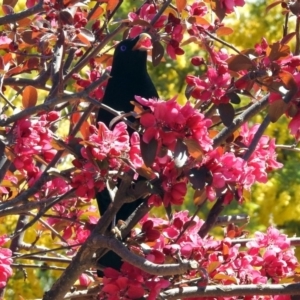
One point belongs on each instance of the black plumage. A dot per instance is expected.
(129, 77)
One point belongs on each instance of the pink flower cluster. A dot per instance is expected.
(5, 262)
(77, 210)
(168, 121)
(230, 170)
(213, 85)
(33, 137)
(173, 186)
(175, 30)
(146, 14)
(4, 190)
(131, 283)
(94, 74)
(269, 257)
(272, 254)
(230, 5)
(111, 148)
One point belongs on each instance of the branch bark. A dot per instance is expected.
(232, 290)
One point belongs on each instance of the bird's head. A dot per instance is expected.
(131, 54)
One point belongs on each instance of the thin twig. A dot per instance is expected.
(241, 119)
(13, 18)
(258, 134)
(232, 290)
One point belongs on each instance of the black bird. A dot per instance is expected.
(129, 77)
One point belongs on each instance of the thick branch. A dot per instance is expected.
(232, 290)
(84, 257)
(294, 241)
(140, 262)
(56, 100)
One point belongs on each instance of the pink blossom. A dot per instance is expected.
(5, 262)
(212, 86)
(146, 13)
(167, 121)
(135, 151)
(294, 126)
(84, 280)
(155, 286)
(230, 4)
(198, 8)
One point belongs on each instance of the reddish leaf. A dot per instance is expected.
(277, 51)
(273, 5)
(7, 9)
(2, 64)
(277, 109)
(288, 80)
(112, 4)
(213, 266)
(157, 53)
(198, 177)
(66, 16)
(239, 62)
(103, 58)
(32, 64)
(152, 235)
(11, 3)
(292, 110)
(97, 13)
(171, 10)
(24, 22)
(75, 117)
(226, 111)
(135, 292)
(148, 151)
(14, 71)
(191, 39)
(226, 249)
(287, 38)
(221, 277)
(194, 148)
(85, 130)
(27, 37)
(198, 20)
(86, 36)
(146, 172)
(219, 9)
(234, 98)
(29, 98)
(30, 3)
(180, 4)
(199, 197)
(139, 22)
(224, 31)
(180, 154)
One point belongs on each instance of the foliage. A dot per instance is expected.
(54, 62)
(263, 205)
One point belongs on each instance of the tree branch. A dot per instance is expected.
(242, 118)
(13, 18)
(140, 262)
(232, 290)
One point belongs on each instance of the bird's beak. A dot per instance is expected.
(144, 43)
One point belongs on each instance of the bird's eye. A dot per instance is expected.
(123, 48)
